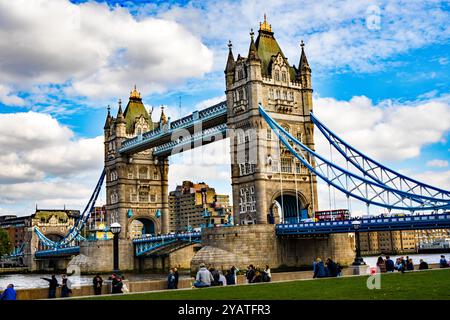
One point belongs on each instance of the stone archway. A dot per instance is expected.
(141, 226)
(289, 207)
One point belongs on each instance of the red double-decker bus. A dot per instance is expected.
(333, 215)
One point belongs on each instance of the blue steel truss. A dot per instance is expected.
(431, 221)
(147, 244)
(145, 140)
(381, 173)
(75, 230)
(352, 185)
(205, 136)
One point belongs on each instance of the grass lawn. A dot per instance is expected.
(408, 286)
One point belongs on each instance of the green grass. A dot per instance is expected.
(394, 286)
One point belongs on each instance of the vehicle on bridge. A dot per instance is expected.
(333, 215)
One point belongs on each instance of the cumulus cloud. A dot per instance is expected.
(43, 162)
(387, 130)
(98, 51)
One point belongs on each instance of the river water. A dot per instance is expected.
(25, 281)
(429, 258)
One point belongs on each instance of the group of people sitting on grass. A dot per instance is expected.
(327, 269)
(214, 277)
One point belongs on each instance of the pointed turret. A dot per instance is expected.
(120, 117)
(230, 61)
(252, 50)
(303, 64)
(304, 71)
(108, 119)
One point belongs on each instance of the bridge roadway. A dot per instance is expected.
(147, 244)
(208, 122)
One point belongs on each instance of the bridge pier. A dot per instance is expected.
(97, 256)
(258, 245)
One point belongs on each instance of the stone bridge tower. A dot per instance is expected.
(266, 179)
(137, 185)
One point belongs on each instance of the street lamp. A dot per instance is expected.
(358, 259)
(115, 229)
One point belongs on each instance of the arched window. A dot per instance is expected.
(283, 76)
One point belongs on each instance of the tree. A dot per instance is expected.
(5, 244)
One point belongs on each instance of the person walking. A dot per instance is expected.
(381, 264)
(52, 285)
(97, 282)
(319, 269)
(177, 276)
(171, 280)
(203, 278)
(66, 288)
(390, 266)
(423, 265)
(9, 294)
(443, 262)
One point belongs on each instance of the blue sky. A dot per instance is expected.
(384, 60)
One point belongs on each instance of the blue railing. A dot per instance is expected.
(152, 238)
(434, 221)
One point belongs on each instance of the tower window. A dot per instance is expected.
(277, 75)
(271, 94)
(283, 76)
(269, 134)
(286, 165)
(291, 96)
(241, 94)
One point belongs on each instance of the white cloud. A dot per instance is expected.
(42, 162)
(336, 32)
(387, 130)
(438, 163)
(100, 51)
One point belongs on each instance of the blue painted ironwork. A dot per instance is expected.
(414, 222)
(146, 244)
(210, 113)
(185, 144)
(380, 173)
(58, 252)
(74, 232)
(352, 185)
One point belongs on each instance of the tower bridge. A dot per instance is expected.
(268, 117)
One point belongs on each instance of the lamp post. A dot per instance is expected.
(358, 259)
(115, 229)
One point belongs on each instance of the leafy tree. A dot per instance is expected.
(5, 244)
